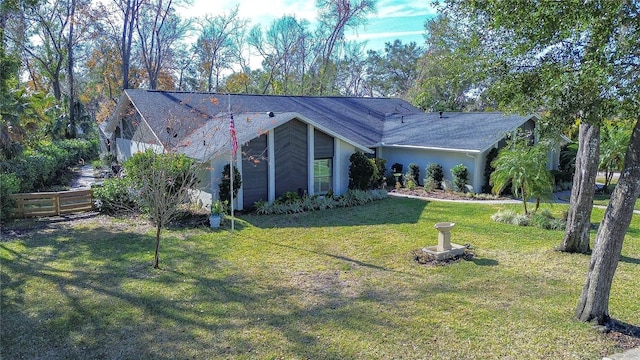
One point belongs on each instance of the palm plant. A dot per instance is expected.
(524, 167)
(615, 139)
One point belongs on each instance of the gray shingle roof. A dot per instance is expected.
(188, 120)
(467, 131)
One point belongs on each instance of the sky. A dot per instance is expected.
(394, 19)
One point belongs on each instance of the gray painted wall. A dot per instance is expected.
(291, 165)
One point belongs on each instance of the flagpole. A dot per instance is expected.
(231, 162)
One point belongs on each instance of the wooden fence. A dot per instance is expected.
(52, 203)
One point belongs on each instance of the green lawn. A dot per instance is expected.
(335, 284)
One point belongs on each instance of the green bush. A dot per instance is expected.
(379, 180)
(413, 174)
(312, 203)
(361, 171)
(488, 170)
(9, 184)
(115, 196)
(225, 183)
(289, 197)
(48, 163)
(79, 149)
(542, 219)
(175, 168)
(460, 176)
(435, 173)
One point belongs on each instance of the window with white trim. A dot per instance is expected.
(322, 175)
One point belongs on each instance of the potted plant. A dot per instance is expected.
(218, 210)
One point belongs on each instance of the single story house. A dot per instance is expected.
(303, 143)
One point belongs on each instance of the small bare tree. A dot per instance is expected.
(164, 182)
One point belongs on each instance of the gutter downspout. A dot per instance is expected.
(477, 181)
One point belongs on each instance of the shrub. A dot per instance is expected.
(225, 183)
(414, 173)
(543, 219)
(289, 197)
(504, 216)
(430, 184)
(311, 203)
(488, 170)
(460, 175)
(411, 185)
(435, 174)
(9, 184)
(379, 180)
(115, 196)
(361, 171)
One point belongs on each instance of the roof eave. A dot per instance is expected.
(415, 147)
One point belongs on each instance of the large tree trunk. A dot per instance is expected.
(576, 238)
(594, 301)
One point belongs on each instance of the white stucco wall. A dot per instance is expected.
(126, 148)
(341, 155)
(446, 159)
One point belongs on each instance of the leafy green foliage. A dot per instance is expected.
(225, 183)
(49, 163)
(380, 178)
(524, 167)
(291, 203)
(394, 71)
(9, 184)
(460, 177)
(615, 137)
(115, 196)
(488, 169)
(435, 174)
(543, 219)
(361, 171)
(413, 173)
(173, 170)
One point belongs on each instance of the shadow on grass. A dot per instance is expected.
(629, 260)
(624, 328)
(485, 262)
(97, 296)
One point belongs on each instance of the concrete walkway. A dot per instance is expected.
(85, 178)
(632, 354)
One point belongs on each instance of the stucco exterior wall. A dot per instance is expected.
(405, 156)
(341, 157)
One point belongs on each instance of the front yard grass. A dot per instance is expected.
(333, 284)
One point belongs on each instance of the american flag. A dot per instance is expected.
(234, 139)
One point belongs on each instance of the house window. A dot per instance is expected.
(322, 175)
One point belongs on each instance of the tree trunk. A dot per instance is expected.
(71, 130)
(576, 238)
(594, 301)
(156, 259)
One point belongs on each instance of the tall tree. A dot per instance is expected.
(284, 50)
(352, 71)
(159, 29)
(450, 70)
(578, 60)
(554, 56)
(130, 10)
(215, 46)
(334, 18)
(395, 70)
